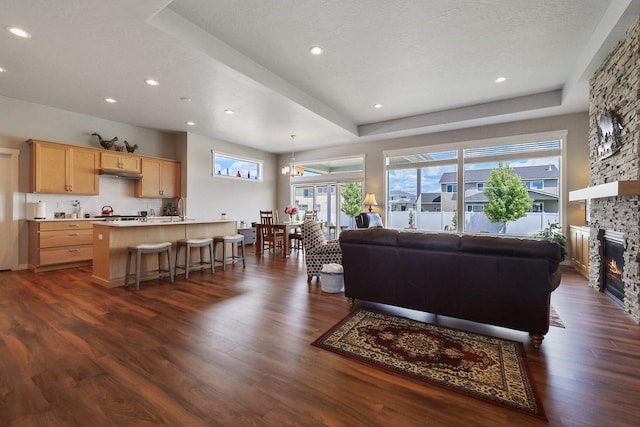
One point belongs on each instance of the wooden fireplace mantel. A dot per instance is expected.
(610, 189)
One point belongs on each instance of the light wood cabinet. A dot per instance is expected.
(160, 178)
(54, 245)
(579, 248)
(120, 161)
(63, 169)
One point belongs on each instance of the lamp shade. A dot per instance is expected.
(370, 199)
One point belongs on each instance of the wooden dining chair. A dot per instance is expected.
(266, 217)
(271, 237)
(295, 239)
(313, 215)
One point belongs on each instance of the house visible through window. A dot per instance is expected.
(445, 186)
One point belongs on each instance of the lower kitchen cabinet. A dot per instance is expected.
(55, 245)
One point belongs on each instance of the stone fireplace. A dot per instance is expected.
(614, 187)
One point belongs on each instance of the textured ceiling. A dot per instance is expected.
(430, 63)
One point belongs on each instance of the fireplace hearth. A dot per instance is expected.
(613, 265)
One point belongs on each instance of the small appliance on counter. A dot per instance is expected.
(170, 210)
(40, 210)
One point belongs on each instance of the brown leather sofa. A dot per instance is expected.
(502, 281)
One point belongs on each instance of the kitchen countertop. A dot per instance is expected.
(66, 219)
(155, 222)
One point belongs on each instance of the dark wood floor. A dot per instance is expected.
(233, 348)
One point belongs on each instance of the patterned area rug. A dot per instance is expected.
(485, 367)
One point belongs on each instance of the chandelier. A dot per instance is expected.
(292, 169)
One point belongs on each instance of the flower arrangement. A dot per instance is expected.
(290, 210)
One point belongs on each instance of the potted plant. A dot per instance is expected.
(554, 234)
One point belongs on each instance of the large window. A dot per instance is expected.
(447, 189)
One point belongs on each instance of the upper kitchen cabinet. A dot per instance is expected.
(160, 178)
(120, 161)
(63, 169)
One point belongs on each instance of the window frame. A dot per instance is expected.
(460, 146)
(259, 166)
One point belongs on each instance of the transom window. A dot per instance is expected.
(225, 165)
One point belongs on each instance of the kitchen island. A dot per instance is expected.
(112, 238)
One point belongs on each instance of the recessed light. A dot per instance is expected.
(152, 82)
(19, 32)
(500, 79)
(316, 50)
(191, 123)
(185, 99)
(2, 70)
(110, 100)
(377, 106)
(228, 111)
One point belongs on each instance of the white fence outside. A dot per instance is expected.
(474, 222)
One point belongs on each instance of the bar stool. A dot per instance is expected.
(236, 240)
(194, 243)
(148, 248)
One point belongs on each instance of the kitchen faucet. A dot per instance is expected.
(182, 209)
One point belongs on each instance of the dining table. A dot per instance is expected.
(285, 227)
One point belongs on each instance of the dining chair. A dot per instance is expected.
(266, 217)
(296, 240)
(271, 237)
(311, 215)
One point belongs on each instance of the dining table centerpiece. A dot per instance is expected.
(291, 211)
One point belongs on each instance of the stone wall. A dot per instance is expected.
(616, 87)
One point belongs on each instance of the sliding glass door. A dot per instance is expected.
(326, 200)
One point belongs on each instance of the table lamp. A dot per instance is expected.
(370, 199)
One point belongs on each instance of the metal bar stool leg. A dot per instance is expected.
(138, 264)
(171, 268)
(127, 274)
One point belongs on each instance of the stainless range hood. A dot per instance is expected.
(120, 173)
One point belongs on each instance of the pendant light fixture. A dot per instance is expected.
(292, 169)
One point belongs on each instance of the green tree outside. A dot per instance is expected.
(508, 196)
(351, 200)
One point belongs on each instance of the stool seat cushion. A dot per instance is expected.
(229, 238)
(150, 246)
(203, 241)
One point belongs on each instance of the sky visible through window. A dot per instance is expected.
(228, 166)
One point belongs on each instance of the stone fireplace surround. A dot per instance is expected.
(616, 87)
